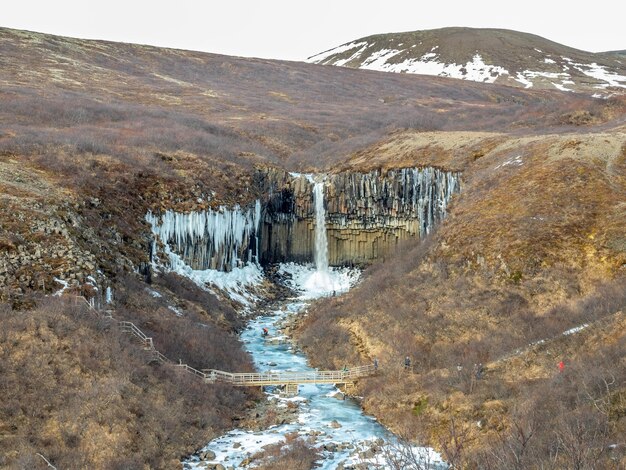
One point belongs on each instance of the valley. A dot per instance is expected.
(177, 188)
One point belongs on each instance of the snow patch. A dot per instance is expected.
(312, 284)
(63, 283)
(236, 283)
(517, 161)
(354, 56)
(378, 60)
(175, 310)
(475, 70)
(560, 86)
(576, 329)
(523, 80)
(319, 58)
(600, 72)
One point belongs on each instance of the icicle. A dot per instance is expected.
(211, 239)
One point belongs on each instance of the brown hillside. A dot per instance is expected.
(93, 134)
(526, 253)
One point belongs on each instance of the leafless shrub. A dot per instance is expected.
(291, 454)
(401, 454)
(67, 375)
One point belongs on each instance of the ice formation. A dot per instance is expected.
(422, 194)
(218, 248)
(222, 240)
(109, 295)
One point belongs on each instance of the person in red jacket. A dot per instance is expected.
(561, 366)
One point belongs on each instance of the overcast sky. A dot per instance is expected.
(294, 30)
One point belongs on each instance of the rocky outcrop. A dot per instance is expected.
(40, 253)
(367, 213)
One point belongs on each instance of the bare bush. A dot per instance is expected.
(84, 395)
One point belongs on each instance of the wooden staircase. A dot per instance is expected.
(287, 379)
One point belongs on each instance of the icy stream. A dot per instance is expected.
(319, 405)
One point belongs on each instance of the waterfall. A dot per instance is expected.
(320, 280)
(321, 241)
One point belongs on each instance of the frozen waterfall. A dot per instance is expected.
(221, 239)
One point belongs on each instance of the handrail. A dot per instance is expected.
(246, 379)
(281, 377)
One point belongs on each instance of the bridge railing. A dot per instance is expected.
(234, 378)
(284, 377)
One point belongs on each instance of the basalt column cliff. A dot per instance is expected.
(367, 214)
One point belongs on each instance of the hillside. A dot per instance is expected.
(95, 134)
(105, 131)
(532, 247)
(484, 55)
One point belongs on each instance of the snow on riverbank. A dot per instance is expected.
(337, 428)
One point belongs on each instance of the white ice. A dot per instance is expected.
(318, 405)
(236, 283)
(109, 295)
(226, 231)
(305, 279)
(64, 287)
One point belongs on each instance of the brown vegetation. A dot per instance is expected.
(532, 247)
(83, 396)
(93, 134)
(294, 453)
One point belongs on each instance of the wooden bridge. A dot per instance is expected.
(287, 379)
(290, 380)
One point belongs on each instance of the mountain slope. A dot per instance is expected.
(93, 134)
(484, 55)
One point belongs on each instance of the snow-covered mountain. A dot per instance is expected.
(485, 55)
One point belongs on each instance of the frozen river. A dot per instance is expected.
(344, 433)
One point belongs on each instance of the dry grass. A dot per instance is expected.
(84, 396)
(532, 247)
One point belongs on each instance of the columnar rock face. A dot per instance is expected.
(221, 239)
(367, 214)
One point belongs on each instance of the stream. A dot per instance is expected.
(344, 434)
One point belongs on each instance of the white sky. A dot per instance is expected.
(288, 29)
